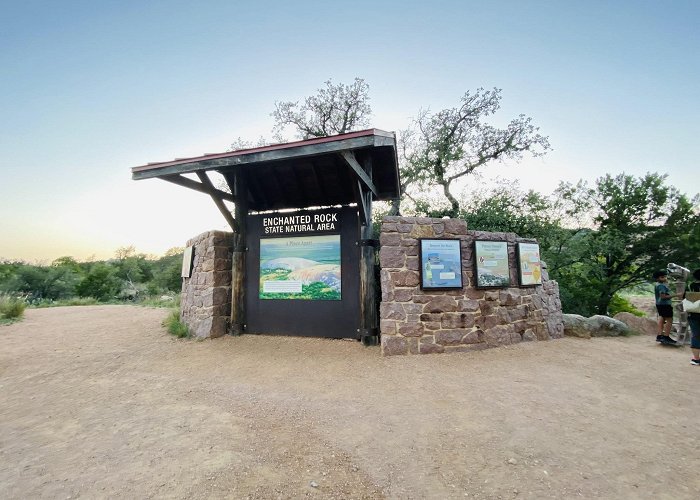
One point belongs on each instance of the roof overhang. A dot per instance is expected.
(315, 172)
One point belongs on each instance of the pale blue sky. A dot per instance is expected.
(92, 88)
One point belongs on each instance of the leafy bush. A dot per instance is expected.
(174, 326)
(101, 283)
(11, 308)
(621, 304)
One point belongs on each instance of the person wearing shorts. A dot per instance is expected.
(662, 294)
(694, 323)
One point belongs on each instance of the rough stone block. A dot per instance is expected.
(457, 320)
(387, 327)
(455, 226)
(429, 348)
(392, 346)
(440, 304)
(487, 322)
(473, 337)
(468, 305)
(391, 311)
(389, 240)
(403, 294)
(411, 330)
(406, 278)
(509, 297)
(423, 231)
(528, 336)
(392, 258)
(449, 337)
(413, 345)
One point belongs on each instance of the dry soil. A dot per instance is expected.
(100, 402)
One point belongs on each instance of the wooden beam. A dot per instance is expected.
(349, 158)
(149, 171)
(219, 202)
(238, 260)
(197, 186)
(369, 309)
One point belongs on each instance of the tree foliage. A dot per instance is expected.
(335, 109)
(126, 276)
(440, 148)
(639, 226)
(597, 240)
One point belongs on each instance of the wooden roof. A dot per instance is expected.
(316, 172)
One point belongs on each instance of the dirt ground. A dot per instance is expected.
(100, 402)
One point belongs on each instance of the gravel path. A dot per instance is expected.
(100, 402)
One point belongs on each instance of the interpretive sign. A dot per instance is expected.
(187, 259)
(529, 265)
(440, 264)
(301, 267)
(491, 258)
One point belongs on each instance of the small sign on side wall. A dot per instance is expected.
(187, 260)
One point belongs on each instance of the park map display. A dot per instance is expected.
(301, 267)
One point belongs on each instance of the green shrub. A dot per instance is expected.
(174, 326)
(621, 304)
(11, 308)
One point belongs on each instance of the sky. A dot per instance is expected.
(89, 89)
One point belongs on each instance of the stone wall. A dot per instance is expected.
(414, 321)
(206, 294)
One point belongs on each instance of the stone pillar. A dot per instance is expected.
(206, 294)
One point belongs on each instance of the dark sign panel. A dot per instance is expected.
(303, 273)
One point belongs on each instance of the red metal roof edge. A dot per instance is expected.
(271, 147)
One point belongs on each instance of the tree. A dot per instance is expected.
(639, 226)
(101, 283)
(441, 148)
(335, 109)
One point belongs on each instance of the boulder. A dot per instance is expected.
(605, 326)
(636, 324)
(575, 326)
(595, 326)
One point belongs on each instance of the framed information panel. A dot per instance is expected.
(440, 264)
(529, 265)
(491, 261)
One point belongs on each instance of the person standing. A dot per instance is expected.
(694, 323)
(662, 294)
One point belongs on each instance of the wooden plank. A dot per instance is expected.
(349, 158)
(238, 259)
(369, 310)
(197, 186)
(219, 202)
(147, 172)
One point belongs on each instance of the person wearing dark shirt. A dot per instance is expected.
(694, 323)
(662, 294)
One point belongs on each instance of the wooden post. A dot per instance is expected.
(369, 331)
(240, 247)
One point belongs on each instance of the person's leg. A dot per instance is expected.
(667, 325)
(660, 323)
(694, 324)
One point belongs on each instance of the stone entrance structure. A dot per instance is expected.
(415, 321)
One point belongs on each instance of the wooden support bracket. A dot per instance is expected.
(211, 190)
(350, 159)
